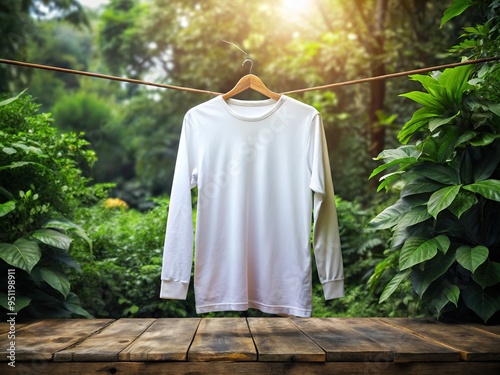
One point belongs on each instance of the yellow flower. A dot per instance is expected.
(115, 203)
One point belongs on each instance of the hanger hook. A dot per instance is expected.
(251, 64)
(246, 54)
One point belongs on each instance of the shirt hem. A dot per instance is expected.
(243, 306)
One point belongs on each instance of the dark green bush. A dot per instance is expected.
(123, 277)
(41, 186)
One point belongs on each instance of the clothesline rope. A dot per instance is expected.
(189, 89)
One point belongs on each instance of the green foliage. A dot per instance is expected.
(122, 278)
(362, 251)
(40, 182)
(445, 224)
(455, 9)
(17, 27)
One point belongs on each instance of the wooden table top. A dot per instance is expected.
(251, 345)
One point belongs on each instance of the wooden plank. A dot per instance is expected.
(165, 340)
(106, 344)
(278, 339)
(222, 339)
(39, 341)
(261, 368)
(406, 347)
(472, 344)
(342, 343)
(5, 327)
(491, 329)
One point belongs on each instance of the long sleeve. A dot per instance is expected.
(178, 249)
(326, 239)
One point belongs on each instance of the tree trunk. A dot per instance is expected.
(377, 88)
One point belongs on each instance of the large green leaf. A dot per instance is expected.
(425, 99)
(7, 207)
(385, 166)
(455, 9)
(489, 161)
(488, 274)
(447, 141)
(430, 83)
(420, 185)
(445, 293)
(484, 139)
(452, 292)
(55, 255)
(455, 80)
(443, 174)
(472, 257)
(484, 303)
(465, 137)
(54, 278)
(489, 189)
(23, 254)
(388, 179)
(419, 120)
(72, 304)
(416, 250)
(441, 199)
(391, 215)
(433, 269)
(462, 203)
(393, 284)
(437, 122)
(21, 302)
(52, 237)
(70, 227)
(414, 216)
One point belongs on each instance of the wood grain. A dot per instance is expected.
(222, 339)
(258, 368)
(491, 329)
(473, 345)
(164, 340)
(342, 343)
(39, 341)
(278, 339)
(406, 346)
(107, 343)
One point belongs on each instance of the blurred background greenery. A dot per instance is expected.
(134, 130)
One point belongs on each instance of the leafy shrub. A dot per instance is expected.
(41, 183)
(122, 279)
(445, 224)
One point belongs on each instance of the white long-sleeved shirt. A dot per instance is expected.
(262, 172)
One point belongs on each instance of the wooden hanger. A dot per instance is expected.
(251, 81)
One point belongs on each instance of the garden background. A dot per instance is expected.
(86, 164)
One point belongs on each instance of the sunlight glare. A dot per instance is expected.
(296, 6)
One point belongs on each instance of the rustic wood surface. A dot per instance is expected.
(252, 345)
(223, 339)
(341, 343)
(39, 341)
(471, 344)
(405, 346)
(164, 340)
(279, 340)
(106, 344)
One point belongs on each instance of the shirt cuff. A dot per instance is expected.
(173, 289)
(333, 289)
